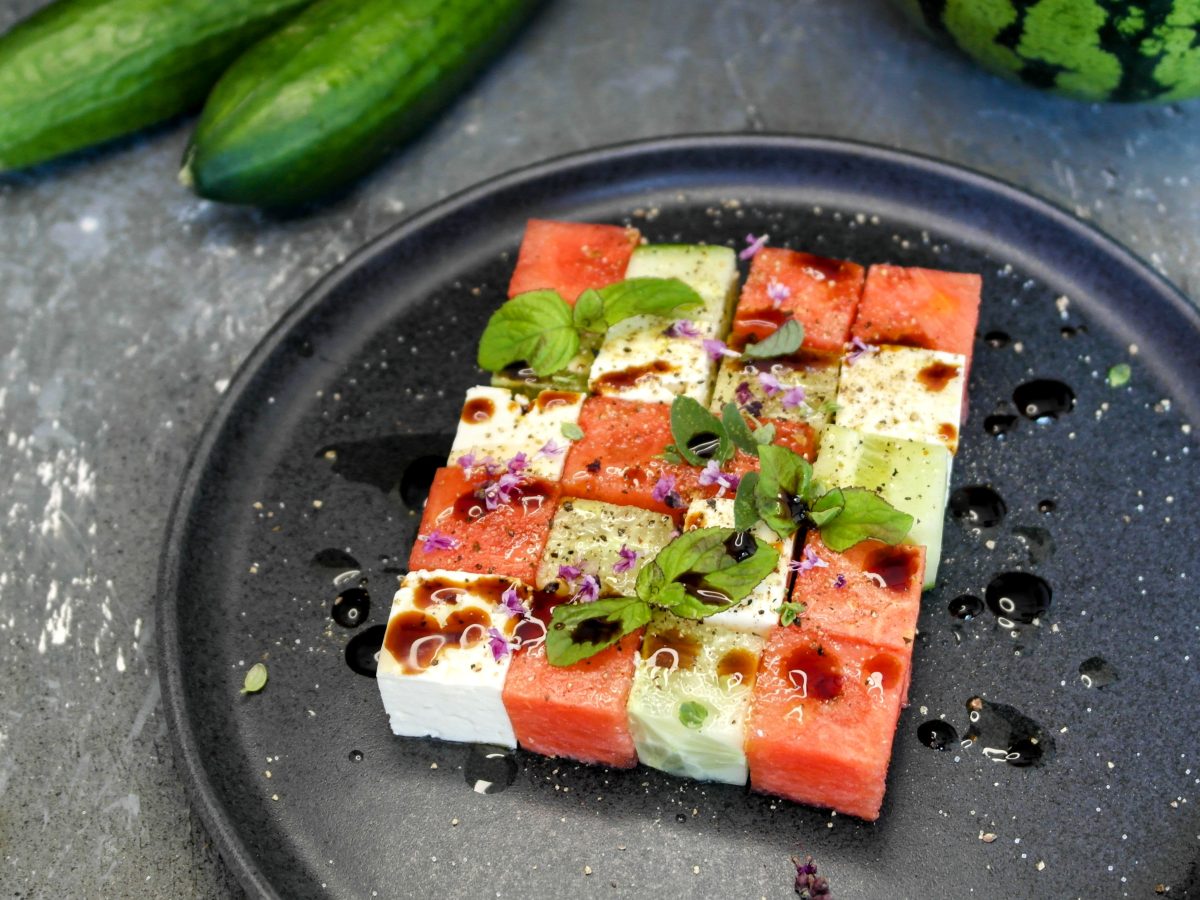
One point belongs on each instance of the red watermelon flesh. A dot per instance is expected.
(570, 257)
(822, 718)
(920, 308)
(505, 541)
(821, 294)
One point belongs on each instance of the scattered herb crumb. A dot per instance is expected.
(809, 885)
(572, 432)
(256, 679)
(692, 714)
(1119, 375)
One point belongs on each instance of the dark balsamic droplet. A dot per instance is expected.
(1044, 399)
(1018, 597)
(1004, 734)
(417, 479)
(938, 735)
(383, 461)
(1038, 542)
(351, 607)
(362, 653)
(333, 558)
(1069, 332)
(680, 817)
(705, 444)
(1097, 672)
(356, 756)
(999, 424)
(978, 505)
(741, 545)
(965, 607)
(796, 505)
(489, 769)
(997, 339)
(1046, 506)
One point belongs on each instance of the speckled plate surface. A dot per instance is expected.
(307, 793)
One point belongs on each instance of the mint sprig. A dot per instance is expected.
(699, 435)
(786, 339)
(541, 329)
(580, 630)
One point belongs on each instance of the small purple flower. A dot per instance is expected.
(770, 384)
(511, 603)
(840, 581)
(628, 558)
(794, 397)
(550, 448)
(711, 474)
(743, 394)
(517, 464)
(569, 574)
(754, 244)
(467, 461)
(809, 885)
(777, 291)
(498, 644)
(716, 349)
(436, 540)
(808, 560)
(858, 350)
(589, 589)
(683, 328)
(663, 488)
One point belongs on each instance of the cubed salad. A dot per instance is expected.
(688, 523)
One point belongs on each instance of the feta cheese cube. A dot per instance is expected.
(498, 423)
(757, 613)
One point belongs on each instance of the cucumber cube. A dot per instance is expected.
(816, 373)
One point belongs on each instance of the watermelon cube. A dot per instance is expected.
(690, 698)
(590, 535)
(760, 387)
(459, 532)
(876, 599)
(904, 392)
(822, 718)
(570, 257)
(821, 294)
(920, 308)
(499, 424)
(759, 612)
(437, 674)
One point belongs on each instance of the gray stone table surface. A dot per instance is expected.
(128, 304)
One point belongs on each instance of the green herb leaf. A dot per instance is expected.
(724, 582)
(745, 513)
(1119, 375)
(700, 551)
(692, 714)
(789, 612)
(764, 434)
(861, 515)
(737, 429)
(786, 339)
(256, 679)
(536, 328)
(580, 630)
(571, 431)
(690, 420)
(589, 311)
(666, 297)
(739, 579)
(650, 581)
(783, 473)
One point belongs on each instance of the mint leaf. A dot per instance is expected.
(722, 582)
(764, 434)
(256, 679)
(694, 428)
(536, 328)
(589, 311)
(783, 474)
(745, 513)
(737, 429)
(786, 339)
(580, 630)
(647, 297)
(650, 581)
(700, 551)
(571, 431)
(1119, 375)
(861, 515)
(739, 579)
(789, 612)
(692, 714)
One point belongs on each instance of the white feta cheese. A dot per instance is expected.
(496, 422)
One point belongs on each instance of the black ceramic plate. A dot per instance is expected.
(1101, 504)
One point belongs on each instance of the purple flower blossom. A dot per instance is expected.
(858, 350)
(589, 589)
(743, 394)
(517, 464)
(511, 603)
(436, 540)
(628, 558)
(770, 384)
(498, 644)
(683, 328)
(467, 461)
(777, 291)
(663, 488)
(794, 397)
(711, 474)
(500, 491)
(716, 349)
(840, 581)
(754, 245)
(550, 448)
(569, 574)
(808, 560)
(809, 885)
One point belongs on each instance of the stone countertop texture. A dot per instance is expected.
(128, 304)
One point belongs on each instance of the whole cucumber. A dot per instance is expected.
(317, 104)
(79, 72)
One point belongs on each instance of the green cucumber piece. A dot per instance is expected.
(913, 476)
(321, 101)
(710, 271)
(80, 72)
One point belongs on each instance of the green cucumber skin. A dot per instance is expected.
(320, 102)
(80, 72)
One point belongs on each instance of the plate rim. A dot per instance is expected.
(197, 784)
